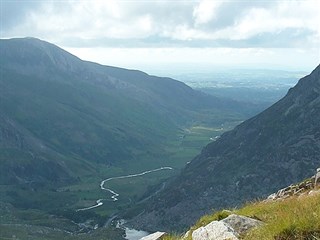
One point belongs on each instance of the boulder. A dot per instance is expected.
(154, 236)
(241, 224)
(216, 230)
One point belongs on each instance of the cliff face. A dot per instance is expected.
(271, 150)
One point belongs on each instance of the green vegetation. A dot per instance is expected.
(33, 232)
(35, 224)
(34, 213)
(293, 218)
(132, 190)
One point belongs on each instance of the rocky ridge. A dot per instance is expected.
(308, 186)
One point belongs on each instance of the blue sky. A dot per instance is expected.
(177, 34)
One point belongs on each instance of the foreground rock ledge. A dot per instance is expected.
(215, 231)
(229, 228)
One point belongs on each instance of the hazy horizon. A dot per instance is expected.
(180, 36)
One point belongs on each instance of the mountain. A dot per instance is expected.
(60, 115)
(279, 146)
(67, 124)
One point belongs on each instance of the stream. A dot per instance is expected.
(115, 195)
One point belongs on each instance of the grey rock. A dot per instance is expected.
(297, 189)
(272, 196)
(215, 231)
(241, 224)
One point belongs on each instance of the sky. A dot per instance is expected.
(180, 35)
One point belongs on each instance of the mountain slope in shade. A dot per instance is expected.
(69, 114)
(279, 146)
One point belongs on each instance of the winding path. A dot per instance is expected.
(115, 195)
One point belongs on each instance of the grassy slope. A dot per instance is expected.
(292, 218)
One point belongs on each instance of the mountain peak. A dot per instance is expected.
(24, 53)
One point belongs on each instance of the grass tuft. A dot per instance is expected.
(293, 218)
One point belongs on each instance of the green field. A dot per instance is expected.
(180, 150)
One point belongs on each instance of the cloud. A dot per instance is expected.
(206, 11)
(240, 22)
(15, 12)
(205, 23)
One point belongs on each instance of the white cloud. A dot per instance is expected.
(178, 20)
(218, 30)
(299, 16)
(205, 11)
(280, 17)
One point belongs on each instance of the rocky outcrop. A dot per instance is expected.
(297, 189)
(241, 224)
(229, 228)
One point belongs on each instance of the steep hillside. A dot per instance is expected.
(279, 146)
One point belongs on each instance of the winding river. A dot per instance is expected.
(115, 195)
